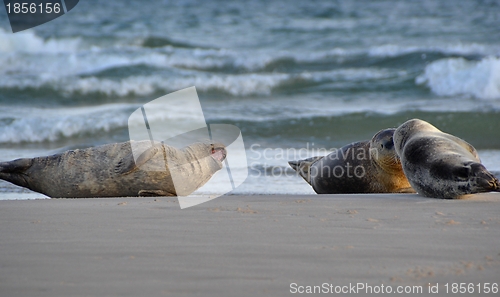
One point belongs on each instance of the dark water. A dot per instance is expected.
(289, 75)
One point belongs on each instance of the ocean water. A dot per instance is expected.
(296, 78)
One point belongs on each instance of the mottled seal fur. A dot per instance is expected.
(361, 167)
(110, 170)
(440, 165)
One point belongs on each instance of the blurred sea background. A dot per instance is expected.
(296, 78)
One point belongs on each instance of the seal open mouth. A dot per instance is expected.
(219, 153)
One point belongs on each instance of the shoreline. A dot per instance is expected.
(245, 245)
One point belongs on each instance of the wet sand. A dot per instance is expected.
(246, 245)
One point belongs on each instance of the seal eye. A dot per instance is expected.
(463, 172)
(388, 145)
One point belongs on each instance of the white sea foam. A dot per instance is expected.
(219, 58)
(28, 41)
(32, 62)
(38, 124)
(457, 76)
(236, 84)
(258, 59)
(293, 109)
(22, 124)
(27, 54)
(394, 50)
(55, 66)
(389, 50)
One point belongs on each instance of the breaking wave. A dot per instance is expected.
(457, 76)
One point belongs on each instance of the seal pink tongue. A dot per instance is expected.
(218, 155)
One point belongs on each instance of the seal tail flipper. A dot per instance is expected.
(13, 171)
(303, 166)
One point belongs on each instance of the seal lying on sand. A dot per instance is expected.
(110, 170)
(361, 167)
(440, 165)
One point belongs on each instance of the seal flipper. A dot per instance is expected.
(303, 167)
(409, 190)
(128, 164)
(153, 193)
(14, 171)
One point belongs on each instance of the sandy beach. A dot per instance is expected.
(247, 245)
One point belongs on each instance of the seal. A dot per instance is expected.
(440, 165)
(111, 170)
(361, 167)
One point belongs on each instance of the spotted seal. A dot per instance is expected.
(361, 167)
(440, 165)
(111, 170)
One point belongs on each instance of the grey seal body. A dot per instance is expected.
(361, 167)
(111, 170)
(440, 165)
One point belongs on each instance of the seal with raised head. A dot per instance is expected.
(361, 167)
(440, 165)
(111, 170)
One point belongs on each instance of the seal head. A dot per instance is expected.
(382, 151)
